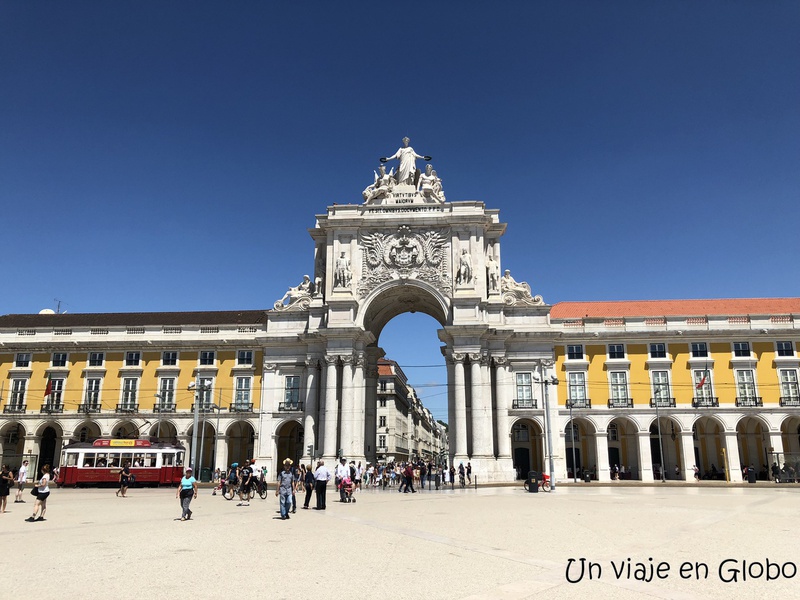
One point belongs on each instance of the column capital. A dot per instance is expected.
(348, 360)
(360, 360)
(474, 357)
(331, 359)
(312, 362)
(501, 361)
(486, 361)
(458, 357)
(270, 366)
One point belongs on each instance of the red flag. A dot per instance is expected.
(703, 380)
(49, 389)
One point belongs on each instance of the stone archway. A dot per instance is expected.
(708, 444)
(581, 438)
(12, 436)
(289, 442)
(241, 442)
(752, 435)
(527, 447)
(623, 446)
(669, 442)
(86, 431)
(125, 430)
(164, 432)
(50, 438)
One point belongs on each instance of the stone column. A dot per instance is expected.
(478, 416)
(645, 456)
(331, 410)
(460, 411)
(451, 407)
(357, 445)
(346, 423)
(503, 405)
(687, 450)
(732, 451)
(601, 452)
(310, 410)
(776, 444)
(221, 453)
(371, 408)
(488, 417)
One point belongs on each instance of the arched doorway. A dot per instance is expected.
(125, 430)
(87, 431)
(205, 449)
(752, 436)
(527, 447)
(164, 432)
(241, 441)
(49, 446)
(13, 444)
(623, 448)
(580, 448)
(669, 442)
(289, 441)
(708, 445)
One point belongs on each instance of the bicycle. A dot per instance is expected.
(543, 483)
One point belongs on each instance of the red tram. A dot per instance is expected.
(100, 462)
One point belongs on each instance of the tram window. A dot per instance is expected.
(150, 461)
(127, 459)
(168, 459)
(113, 460)
(88, 459)
(138, 460)
(180, 458)
(72, 459)
(102, 460)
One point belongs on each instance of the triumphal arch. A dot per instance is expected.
(404, 248)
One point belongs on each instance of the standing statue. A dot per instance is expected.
(342, 275)
(493, 273)
(408, 164)
(297, 294)
(381, 186)
(464, 275)
(430, 185)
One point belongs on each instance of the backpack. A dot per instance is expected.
(352, 472)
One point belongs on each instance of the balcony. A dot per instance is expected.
(52, 407)
(382, 449)
(14, 408)
(164, 408)
(203, 408)
(125, 407)
(749, 401)
(527, 403)
(662, 402)
(790, 401)
(582, 403)
(620, 403)
(241, 407)
(290, 407)
(710, 402)
(89, 407)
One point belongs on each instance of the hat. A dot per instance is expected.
(288, 461)
(343, 459)
(188, 468)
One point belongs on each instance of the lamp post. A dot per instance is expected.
(197, 388)
(545, 383)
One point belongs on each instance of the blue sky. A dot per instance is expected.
(171, 156)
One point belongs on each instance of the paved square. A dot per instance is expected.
(490, 543)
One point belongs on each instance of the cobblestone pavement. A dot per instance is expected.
(498, 543)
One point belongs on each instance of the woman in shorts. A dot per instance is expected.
(43, 491)
(6, 481)
(124, 480)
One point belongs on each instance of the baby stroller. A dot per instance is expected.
(348, 487)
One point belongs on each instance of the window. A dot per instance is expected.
(785, 349)
(572, 433)
(577, 387)
(59, 359)
(96, 359)
(382, 422)
(292, 391)
(132, 359)
(699, 350)
(745, 384)
(166, 392)
(741, 349)
(382, 402)
(616, 351)
(169, 358)
(382, 441)
(702, 384)
(244, 357)
(383, 384)
(575, 352)
(243, 392)
(520, 433)
(204, 393)
(23, 360)
(660, 385)
(207, 358)
(524, 386)
(93, 393)
(789, 387)
(18, 392)
(619, 385)
(613, 433)
(658, 351)
(56, 392)
(129, 387)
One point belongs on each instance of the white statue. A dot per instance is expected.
(507, 284)
(342, 275)
(430, 185)
(408, 163)
(517, 292)
(464, 275)
(303, 291)
(381, 187)
(493, 272)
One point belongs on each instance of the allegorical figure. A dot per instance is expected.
(342, 275)
(408, 162)
(430, 185)
(493, 273)
(303, 290)
(464, 275)
(381, 186)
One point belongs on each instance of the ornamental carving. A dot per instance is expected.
(407, 254)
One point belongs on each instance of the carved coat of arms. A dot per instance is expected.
(406, 254)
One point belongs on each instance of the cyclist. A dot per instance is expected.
(245, 481)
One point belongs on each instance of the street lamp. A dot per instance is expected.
(545, 383)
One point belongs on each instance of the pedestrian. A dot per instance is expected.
(285, 489)
(124, 480)
(359, 475)
(461, 473)
(408, 478)
(22, 476)
(308, 484)
(342, 471)
(6, 481)
(469, 472)
(296, 479)
(677, 472)
(246, 477)
(423, 472)
(42, 492)
(321, 478)
(696, 472)
(186, 492)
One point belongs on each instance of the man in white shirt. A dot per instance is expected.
(321, 478)
(22, 476)
(342, 471)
